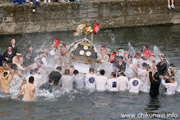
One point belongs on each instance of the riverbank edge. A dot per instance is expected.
(52, 17)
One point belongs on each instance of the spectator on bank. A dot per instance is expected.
(18, 1)
(35, 3)
(171, 4)
(49, 1)
(80, 0)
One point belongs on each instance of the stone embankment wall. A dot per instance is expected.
(66, 16)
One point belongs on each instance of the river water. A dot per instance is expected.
(75, 105)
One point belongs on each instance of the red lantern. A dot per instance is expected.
(96, 29)
(56, 42)
(112, 58)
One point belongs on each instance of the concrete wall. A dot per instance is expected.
(66, 16)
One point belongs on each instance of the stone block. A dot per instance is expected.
(21, 16)
(36, 17)
(8, 19)
(157, 17)
(8, 28)
(29, 25)
(93, 15)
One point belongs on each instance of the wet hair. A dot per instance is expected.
(118, 66)
(171, 78)
(135, 74)
(144, 64)
(31, 71)
(138, 53)
(146, 46)
(28, 52)
(40, 53)
(36, 70)
(148, 66)
(91, 70)
(122, 73)
(64, 44)
(10, 46)
(58, 68)
(156, 76)
(50, 81)
(5, 74)
(121, 57)
(30, 46)
(102, 72)
(75, 72)
(143, 57)
(153, 61)
(31, 79)
(14, 66)
(67, 72)
(172, 65)
(113, 74)
(166, 74)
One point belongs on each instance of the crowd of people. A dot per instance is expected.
(44, 68)
(37, 2)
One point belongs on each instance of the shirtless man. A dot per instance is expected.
(5, 79)
(15, 59)
(28, 90)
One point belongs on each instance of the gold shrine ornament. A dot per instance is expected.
(85, 47)
(88, 53)
(81, 52)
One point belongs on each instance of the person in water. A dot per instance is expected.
(30, 49)
(14, 47)
(1, 59)
(28, 59)
(146, 52)
(8, 56)
(28, 90)
(15, 59)
(47, 86)
(56, 75)
(162, 65)
(171, 87)
(123, 82)
(17, 80)
(90, 79)
(172, 69)
(112, 83)
(101, 81)
(173, 72)
(134, 84)
(6, 79)
(67, 81)
(122, 64)
(79, 80)
(154, 84)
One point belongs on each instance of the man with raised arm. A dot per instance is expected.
(28, 90)
(5, 79)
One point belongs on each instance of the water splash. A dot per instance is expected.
(113, 38)
(131, 50)
(157, 52)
